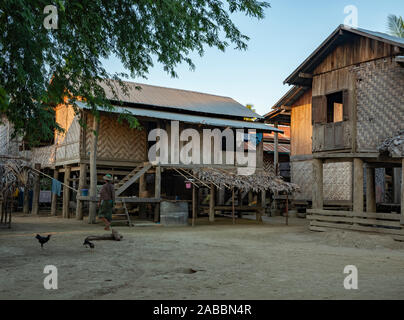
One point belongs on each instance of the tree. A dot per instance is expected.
(39, 67)
(396, 25)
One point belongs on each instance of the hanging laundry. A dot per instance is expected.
(56, 186)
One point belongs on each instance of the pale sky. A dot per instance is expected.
(290, 32)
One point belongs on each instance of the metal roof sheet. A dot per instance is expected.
(192, 101)
(269, 147)
(166, 115)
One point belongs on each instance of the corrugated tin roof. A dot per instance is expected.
(285, 136)
(178, 99)
(331, 42)
(282, 148)
(270, 147)
(173, 116)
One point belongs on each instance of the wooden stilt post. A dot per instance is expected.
(82, 183)
(358, 186)
(402, 192)
(276, 153)
(54, 195)
(239, 203)
(250, 197)
(93, 172)
(264, 200)
(233, 208)
(212, 203)
(36, 191)
(66, 193)
(157, 193)
(194, 204)
(317, 191)
(25, 208)
(287, 209)
(142, 186)
(370, 190)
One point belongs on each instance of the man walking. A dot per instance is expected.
(106, 203)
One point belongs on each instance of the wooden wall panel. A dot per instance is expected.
(301, 127)
(358, 50)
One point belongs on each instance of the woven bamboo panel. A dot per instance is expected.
(268, 163)
(117, 141)
(380, 102)
(8, 146)
(68, 142)
(337, 180)
(45, 156)
(302, 175)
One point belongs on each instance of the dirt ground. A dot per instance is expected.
(245, 261)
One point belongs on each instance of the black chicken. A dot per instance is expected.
(88, 243)
(42, 240)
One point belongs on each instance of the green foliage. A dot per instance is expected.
(396, 25)
(40, 67)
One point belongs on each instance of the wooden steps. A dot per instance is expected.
(127, 177)
(132, 177)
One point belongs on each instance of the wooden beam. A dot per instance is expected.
(317, 191)
(305, 75)
(93, 170)
(194, 204)
(36, 191)
(25, 208)
(358, 185)
(132, 180)
(82, 183)
(212, 204)
(157, 192)
(370, 190)
(402, 192)
(233, 216)
(54, 195)
(66, 193)
(276, 152)
(142, 186)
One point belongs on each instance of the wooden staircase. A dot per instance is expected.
(131, 178)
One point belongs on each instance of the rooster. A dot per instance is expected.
(42, 240)
(88, 243)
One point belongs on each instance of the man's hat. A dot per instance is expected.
(107, 177)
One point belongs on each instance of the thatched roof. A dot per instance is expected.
(15, 173)
(394, 146)
(260, 181)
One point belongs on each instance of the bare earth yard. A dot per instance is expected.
(245, 261)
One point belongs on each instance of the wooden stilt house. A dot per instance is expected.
(348, 97)
(124, 152)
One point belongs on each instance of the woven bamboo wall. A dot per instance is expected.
(380, 102)
(117, 141)
(337, 179)
(8, 146)
(68, 142)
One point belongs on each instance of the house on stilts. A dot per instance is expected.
(347, 99)
(143, 184)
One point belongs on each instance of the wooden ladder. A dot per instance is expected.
(126, 214)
